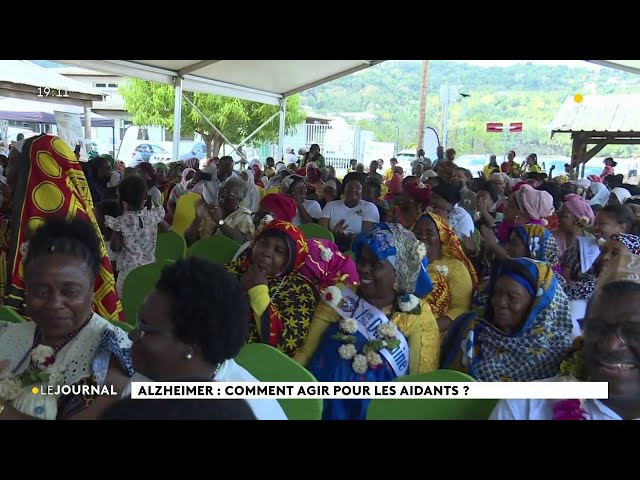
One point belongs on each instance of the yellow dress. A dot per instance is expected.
(420, 330)
(459, 285)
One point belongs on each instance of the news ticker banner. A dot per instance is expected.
(370, 390)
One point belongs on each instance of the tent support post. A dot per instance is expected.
(283, 111)
(177, 118)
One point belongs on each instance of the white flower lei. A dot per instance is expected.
(325, 253)
(369, 357)
(41, 371)
(443, 269)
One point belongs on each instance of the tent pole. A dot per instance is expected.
(283, 110)
(258, 129)
(177, 119)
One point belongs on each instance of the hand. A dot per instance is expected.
(253, 277)
(482, 205)
(214, 212)
(488, 237)
(553, 167)
(469, 243)
(340, 228)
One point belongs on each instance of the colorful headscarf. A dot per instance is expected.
(541, 244)
(535, 352)
(395, 184)
(535, 203)
(326, 265)
(632, 242)
(397, 245)
(160, 166)
(282, 206)
(450, 245)
(51, 183)
(295, 234)
(421, 195)
(579, 207)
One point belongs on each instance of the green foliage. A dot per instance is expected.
(152, 104)
(526, 93)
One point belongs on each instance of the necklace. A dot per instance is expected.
(56, 348)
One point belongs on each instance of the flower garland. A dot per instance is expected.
(572, 369)
(369, 357)
(40, 371)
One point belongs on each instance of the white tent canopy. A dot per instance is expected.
(632, 66)
(25, 80)
(265, 81)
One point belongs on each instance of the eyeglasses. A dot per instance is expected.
(628, 334)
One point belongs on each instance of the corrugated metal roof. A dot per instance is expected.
(599, 113)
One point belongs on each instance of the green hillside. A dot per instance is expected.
(526, 93)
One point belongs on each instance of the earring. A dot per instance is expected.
(395, 286)
(188, 356)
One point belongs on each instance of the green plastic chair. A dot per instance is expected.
(170, 246)
(137, 286)
(218, 249)
(313, 230)
(123, 326)
(8, 314)
(431, 409)
(268, 364)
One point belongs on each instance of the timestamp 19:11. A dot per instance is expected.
(52, 92)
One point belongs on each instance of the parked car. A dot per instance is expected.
(143, 152)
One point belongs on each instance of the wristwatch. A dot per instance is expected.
(221, 222)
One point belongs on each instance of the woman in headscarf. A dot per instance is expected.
(411, 203)
(395, 187)
(453, 276)
(574, 217)
(379, 330)
(599, 195)
(526, 205)
(520, 335)
(330, 180)
(162, 179)
(324, 265)
(148, 174)
(46, 179)
(282, 300)
(219, 212)
(444, 201)
(307, 210)
(618, 196)
(184, 186)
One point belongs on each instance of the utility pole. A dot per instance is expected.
(423, 102)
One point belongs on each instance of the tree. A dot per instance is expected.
(152, 104)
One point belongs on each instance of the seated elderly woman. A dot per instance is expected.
(307, 211)
(192, 325)
(379, 330)
(282, 300)
(324, 265)
(526, 205)
(574, 218)
(608, 353)
(347, 218)
(520, 335)
(453, 276)
(219, 212)
(66, 344)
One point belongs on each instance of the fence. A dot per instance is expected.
(338, 144)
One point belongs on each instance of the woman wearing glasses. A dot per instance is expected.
(219, 212)
(192, 325)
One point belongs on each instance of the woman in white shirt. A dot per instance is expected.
(351, 216)
(192, 325)
(444, 200)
